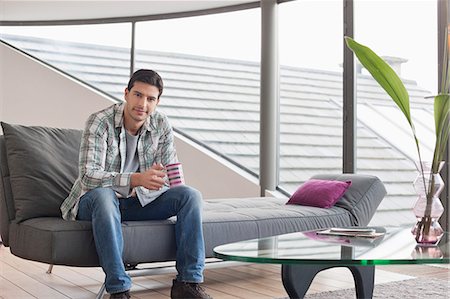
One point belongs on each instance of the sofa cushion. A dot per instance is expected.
(43, 164)
(319, 193)
(60, 242)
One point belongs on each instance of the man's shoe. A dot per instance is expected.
(121, 295)
(187, 290)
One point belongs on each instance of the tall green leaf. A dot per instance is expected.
(384, 75)
(445, 65)
(389, 81)
(441, 107)
(441, 119)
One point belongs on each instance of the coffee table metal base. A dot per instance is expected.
(298, 278)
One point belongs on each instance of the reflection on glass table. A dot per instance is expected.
(304, 254)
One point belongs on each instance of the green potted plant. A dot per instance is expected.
(429, 184)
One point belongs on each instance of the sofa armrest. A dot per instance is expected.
(362, 198)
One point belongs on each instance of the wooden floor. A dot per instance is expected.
(25, 279)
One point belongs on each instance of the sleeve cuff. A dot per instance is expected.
(122, 184)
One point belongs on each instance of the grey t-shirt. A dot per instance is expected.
(132, 158)
(131, 162)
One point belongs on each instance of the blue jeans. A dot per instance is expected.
(102, 207)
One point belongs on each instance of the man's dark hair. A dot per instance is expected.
(146, 76)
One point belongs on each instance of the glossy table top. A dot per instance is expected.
(396, 246)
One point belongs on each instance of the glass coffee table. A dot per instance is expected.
(304, 254)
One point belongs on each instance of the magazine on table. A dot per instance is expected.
(357, 232)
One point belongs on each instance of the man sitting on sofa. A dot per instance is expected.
(123, 152)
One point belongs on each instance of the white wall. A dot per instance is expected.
(34, 94)
(212, 175)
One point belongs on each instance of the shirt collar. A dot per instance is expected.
(148, 125)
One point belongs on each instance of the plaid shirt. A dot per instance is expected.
(103, 151)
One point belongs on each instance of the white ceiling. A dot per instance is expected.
(62, 10)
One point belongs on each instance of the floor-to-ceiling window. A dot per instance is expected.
(405, 34)
(311, 46)
(210, 65)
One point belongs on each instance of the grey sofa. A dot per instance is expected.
(38, 166)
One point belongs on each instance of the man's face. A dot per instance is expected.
(141, 100)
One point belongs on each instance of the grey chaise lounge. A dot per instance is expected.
(38, 166)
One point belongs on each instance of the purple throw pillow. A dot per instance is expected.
(319, 193)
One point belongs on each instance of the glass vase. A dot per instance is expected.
(428, 207)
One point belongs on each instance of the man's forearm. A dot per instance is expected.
(135, 180)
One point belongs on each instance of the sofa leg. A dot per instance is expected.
(101, 292)
(50, 268)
